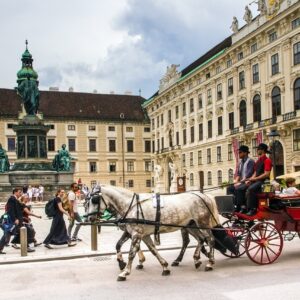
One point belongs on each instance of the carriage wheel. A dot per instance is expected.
(237, 231)
(263, 243)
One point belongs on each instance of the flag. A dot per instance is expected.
(259, 137)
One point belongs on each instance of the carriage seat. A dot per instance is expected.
(225, 204)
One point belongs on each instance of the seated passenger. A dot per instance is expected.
(291, 187)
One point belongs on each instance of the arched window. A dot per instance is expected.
(219, 177)
(209, 179)
(191, 179)
(276, 102)
(230, 175)
(256, 109)
(297, 94)
(243, 113)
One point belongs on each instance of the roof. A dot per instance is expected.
(80, 106)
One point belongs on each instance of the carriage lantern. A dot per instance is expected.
(274, 135)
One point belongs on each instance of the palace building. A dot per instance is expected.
(239, 92)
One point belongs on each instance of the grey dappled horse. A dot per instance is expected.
(191, 208)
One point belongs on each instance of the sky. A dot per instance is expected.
(110, 45)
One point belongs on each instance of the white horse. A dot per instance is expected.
(187, 209)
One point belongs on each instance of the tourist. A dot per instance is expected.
(41, 192)
(58, 231)
(291, 187)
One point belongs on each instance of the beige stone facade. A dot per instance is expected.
(249, 87)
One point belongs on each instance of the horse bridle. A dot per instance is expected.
(97, 201)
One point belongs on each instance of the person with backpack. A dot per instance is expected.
(58, 231)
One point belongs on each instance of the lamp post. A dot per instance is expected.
(274, 135)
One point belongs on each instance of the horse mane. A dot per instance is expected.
(119, 189)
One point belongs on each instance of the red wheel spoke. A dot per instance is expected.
(276, 245)
(259, 248)
(274, 238)
(257, 245)
(267, 254)
(272, 250)
(257, 237)
(271, 235)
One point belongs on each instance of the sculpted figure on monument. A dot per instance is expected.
(157, 172)
(235, 25)
(29, 93)
(262, 7)
(4, 163)
(172, 167)
(64, 158)
(248, 15)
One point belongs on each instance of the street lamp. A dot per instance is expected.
(274, 135)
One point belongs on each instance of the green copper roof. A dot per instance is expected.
(26, 54)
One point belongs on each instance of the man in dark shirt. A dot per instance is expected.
(14, 211)
(244, 172)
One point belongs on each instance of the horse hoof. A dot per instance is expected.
(122, 265)
(166, 272)
(121, 278)
(197, 265)
(139, 267)
(208, 269)
(175, 263)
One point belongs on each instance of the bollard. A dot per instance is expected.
(23, 240)
(94, 242)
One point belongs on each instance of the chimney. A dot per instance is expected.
(95, 91)
(112, 92)
(71, 89)
(128, 93)
(54, 88)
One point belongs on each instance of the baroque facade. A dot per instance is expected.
(107, 135)
(236, 93)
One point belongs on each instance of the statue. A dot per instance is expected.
(29, 93)
(157, 172)
(235, 25)
(4, 163)
(262, 7)
(56, 162)
(173, 171)
(248, 15)
(62, 162)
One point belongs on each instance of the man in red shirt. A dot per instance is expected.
(262, 170)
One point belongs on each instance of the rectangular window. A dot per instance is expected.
(157, 121)
(112, 166)
(220, 125)
(220, 177)
(209, 178)
(272, 36)
(130, 183)
(295, 23)
(231, 120)
(51, 144)
(183, 109)
(275, 64)
(253, 47)
(71, 127)
(72, 145)
(296, 140)
(148, 166)
(158, 144)
(229, 63)
(208, 156)
(162, 143)
(111, 128)
(297, 54)
(219, 91)
(184, 136)
(191, 105)
(93, 167)
(153, 146)
(92, 145)
(200, 101)
(218, 69)
(242, 80)
(209, 129)
(129, 129)
(240, 56)
(200, 157)
(254, 147)
(11, 144)
(147, 146)
(153, 123)
(219, 154)
(169, 116)
(255, 73)
(52, 126)
(9, 126)
(183, 160)
(192, 134)
(200, 132)
(230, 86)
(148, 183)
(191, 158)
(230, 154)
(112, 145)
(129, 145)
(112, 182)
(209, 97)
(146, 129)
(177, 138)
(130, 166)
(176, 112)
(92, 127)
(162, 119)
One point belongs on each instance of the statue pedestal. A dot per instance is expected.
(173, 187)
(159, 188)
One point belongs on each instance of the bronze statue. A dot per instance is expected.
(62, 159)
(4, 163)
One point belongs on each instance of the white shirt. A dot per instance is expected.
(290, 191)
(74, 200)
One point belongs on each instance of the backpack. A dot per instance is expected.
(5, 223)
(50, 208)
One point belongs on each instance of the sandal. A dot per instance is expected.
(15, 246)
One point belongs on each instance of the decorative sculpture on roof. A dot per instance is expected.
(262, 7)
(4, 163)
(248, 15)
(170, 77)
(235, 25)
(269, 7)
(28, 84)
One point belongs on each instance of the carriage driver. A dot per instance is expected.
(262, 170)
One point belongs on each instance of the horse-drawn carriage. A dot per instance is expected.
(261, 236)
